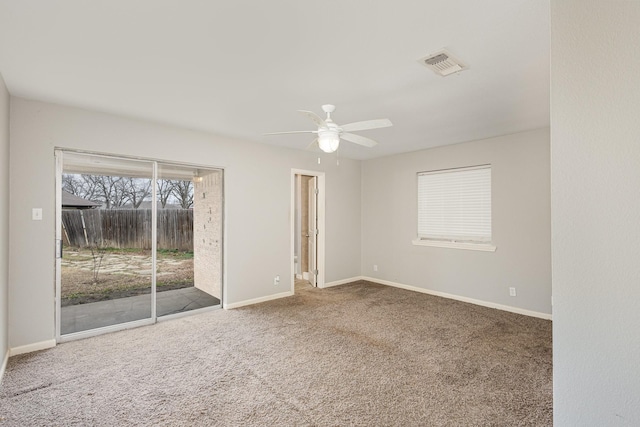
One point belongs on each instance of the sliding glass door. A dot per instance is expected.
(136, 240)
(189, 251)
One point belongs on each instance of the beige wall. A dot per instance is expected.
(520, 223)
(257, 180)
(4, 222)
(595, 145)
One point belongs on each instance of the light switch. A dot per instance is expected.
(36, 214)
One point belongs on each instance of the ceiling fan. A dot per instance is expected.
(329, 133)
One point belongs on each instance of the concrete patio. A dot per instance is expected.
(83, 317)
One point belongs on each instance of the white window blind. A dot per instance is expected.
(455, 204)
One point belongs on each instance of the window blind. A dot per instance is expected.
(455, 204)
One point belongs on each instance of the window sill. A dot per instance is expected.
(485, 247)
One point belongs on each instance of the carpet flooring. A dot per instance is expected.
(356, 354)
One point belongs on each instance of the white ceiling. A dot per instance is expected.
(242, 68)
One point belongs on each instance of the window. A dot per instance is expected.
(454, 208)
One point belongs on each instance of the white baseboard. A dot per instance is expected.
(42, 345)
(343, 281)
(511, 309)
(258, 300)
(482, 303)
(3, 367)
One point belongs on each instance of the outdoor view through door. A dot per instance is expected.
(137, 240)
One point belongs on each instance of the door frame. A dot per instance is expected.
(312, 224)
(320, 245)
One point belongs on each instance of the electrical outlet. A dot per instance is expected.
(375, 267)
(276, 280)
(512, 292)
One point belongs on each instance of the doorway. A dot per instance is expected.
(307, 232)
(137, 241)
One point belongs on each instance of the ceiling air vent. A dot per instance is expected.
(443, 63)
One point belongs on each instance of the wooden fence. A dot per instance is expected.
(127, 228)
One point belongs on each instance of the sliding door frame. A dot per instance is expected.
(59, 166)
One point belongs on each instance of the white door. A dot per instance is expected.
(313, 231)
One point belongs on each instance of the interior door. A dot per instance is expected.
(313, 231)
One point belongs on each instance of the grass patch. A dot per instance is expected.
(162, 253)
(111, 250)
(175, 253)
(75, 258)
(180, 283)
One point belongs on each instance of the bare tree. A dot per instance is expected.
(183, 192)
(72, 183)
(81, 186)
(98, 253)
(164, 188)
(91, 190)
(116, 191)
(108, 189)
(137, 190)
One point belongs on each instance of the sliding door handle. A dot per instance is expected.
(58, 248)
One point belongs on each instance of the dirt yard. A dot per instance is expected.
(121, 273)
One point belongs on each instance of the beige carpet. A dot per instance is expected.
(358, 354)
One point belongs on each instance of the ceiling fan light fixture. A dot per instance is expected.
(328, 141)
(329, 133)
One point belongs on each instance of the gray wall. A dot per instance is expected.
(257, 203)
(4, 218)
(520, 223)
(595, 142)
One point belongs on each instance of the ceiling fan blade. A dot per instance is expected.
(314, 118)
(293, 131)
(313, 143)
(367, 124)
(357, 139)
